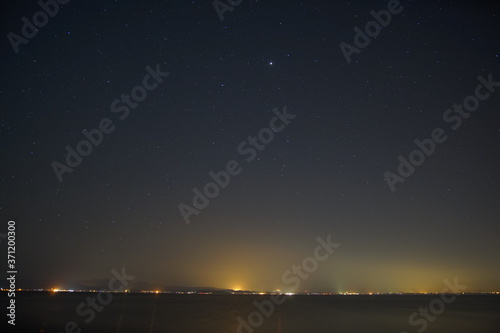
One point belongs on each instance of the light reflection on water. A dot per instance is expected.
(41, 312)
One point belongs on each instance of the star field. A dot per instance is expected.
(323, 174)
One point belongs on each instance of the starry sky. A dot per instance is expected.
(323, 174)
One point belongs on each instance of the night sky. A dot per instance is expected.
(321, 174)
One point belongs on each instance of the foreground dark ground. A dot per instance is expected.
(49, 312)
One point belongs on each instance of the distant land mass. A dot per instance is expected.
(102, 284)
(139, 285)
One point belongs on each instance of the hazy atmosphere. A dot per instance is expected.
(115, 115)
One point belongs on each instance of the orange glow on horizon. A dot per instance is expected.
(237, 287)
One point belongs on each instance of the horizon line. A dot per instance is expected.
(234, 291)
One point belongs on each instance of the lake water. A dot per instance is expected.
(49, 312)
